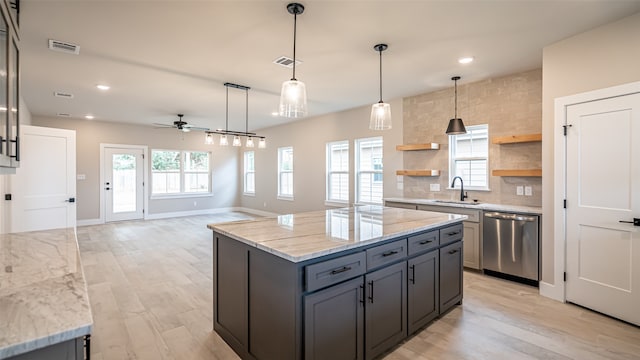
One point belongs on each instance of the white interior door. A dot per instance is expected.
(603, 188)
(44, 186)
(123, 183)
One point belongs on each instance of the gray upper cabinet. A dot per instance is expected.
(9, 87)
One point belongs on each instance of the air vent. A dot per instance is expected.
(63, 95)
(286, 62)
(64, 47)
(63, 115)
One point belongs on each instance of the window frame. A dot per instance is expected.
(280, 195)
(453, 158)
(329, 198)
(248, 171)
(182, 178)
(359, 172)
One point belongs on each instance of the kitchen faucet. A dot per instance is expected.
(463, 195)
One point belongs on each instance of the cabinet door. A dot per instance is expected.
(385, 310)
(334, 322)
(450, 275)
(230, 271)
(472, 245)
(423, 290)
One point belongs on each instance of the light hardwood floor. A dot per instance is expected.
(150, 286)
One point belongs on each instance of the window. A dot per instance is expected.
(180, 172)
(249, 173)
(469, 157)
(338, 171)
(285, 172)
(369, 170)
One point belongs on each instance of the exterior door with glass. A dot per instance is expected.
(123, 183)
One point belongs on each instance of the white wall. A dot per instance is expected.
(89, 136)
(308, 138)
(599, 58)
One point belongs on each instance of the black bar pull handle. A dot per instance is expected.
(371, 291)
(389, 253)
(413, 274)
(361, 294)
(424, 242)
(341, 270)
(453, 251)
(453, 233)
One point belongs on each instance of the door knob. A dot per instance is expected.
(71, 200)
(107, 188)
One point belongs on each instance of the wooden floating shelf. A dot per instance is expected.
(515, 139)
(412, 147)
(418, 172)
(517, 172)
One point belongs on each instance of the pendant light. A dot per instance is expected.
(262, 143)
(380, 112)
(293, 97)
(456, 126)
(208, 139)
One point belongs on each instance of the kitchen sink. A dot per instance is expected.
(457, 202)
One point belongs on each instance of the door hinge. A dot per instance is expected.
(564, 205)
(565, 128)
(142, 156)
(565, 276)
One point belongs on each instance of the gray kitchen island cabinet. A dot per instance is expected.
(336, 284)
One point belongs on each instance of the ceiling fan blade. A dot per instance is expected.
(162, 125)
(195, 128)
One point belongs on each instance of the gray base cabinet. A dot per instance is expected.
(385, 309)
(356, 304)
(334, 322)
(423, 290)
(67, 350)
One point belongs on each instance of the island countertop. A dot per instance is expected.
(43, 293)
(308, 235)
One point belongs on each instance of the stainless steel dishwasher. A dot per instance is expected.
(510, 246)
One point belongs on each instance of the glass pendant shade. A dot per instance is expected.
(380, 116)
(208, 139)
(236, 141)
(262, 143)
(249, 142)
(293, 99)
(456, 127)
(223, 140)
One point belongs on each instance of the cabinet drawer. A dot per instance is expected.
(422, 242)
(334, 271)
(385, 254)
(450, 234)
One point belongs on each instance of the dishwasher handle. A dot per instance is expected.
(516, 217)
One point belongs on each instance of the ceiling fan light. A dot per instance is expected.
(456, 127)
(208, 139)
(380, 116)
(236, 141)
(249, 142)
(293, 99)
(223, 140)
(262, 143)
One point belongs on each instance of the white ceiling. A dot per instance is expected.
(167, 57)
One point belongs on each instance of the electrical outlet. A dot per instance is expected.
(81, 177)
(400, 185)
(528, 191)
(434, 187)
(519, 190)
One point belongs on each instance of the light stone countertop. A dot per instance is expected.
(469, 205)
(308, 235)
(43, 293)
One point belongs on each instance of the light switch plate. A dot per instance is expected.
(81, 177)
(434, 187)
(519, 190)
(528, 191)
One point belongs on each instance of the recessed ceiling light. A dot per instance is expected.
(275, 113)
(465, 60)
(89, 117)
(103, 87)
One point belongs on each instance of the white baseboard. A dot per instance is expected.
(87, 222)
(255, 211)
(552, 291)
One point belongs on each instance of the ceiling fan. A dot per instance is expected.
(182, 125)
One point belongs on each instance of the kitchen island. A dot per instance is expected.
(44, 304)
(341, 283)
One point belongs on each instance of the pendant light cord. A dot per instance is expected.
(380, 51)
(295, 22)
(456, 99)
